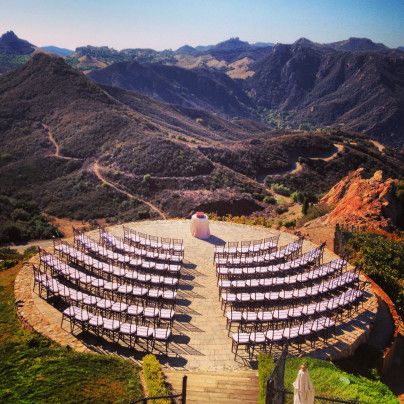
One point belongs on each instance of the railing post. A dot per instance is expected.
(269, 396)
(184, 389)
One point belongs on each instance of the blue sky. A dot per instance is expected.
(169, 24)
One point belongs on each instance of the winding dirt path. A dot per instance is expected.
(378, 145)
(297, 166)
(56, 145)
(96, 168)
(340, 148)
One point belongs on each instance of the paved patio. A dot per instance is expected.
(201, 342)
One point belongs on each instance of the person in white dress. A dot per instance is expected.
(303, 387)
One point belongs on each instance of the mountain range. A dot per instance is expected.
(198, 88)
(78, 149)
(144, 133)
(360, 90)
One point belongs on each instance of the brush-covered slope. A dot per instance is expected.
(86, 151)
(363, 91)
(129, 135)
(212, 91)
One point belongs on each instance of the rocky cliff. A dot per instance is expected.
(359, 201)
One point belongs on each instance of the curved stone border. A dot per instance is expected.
(389, 351)
(35, 313)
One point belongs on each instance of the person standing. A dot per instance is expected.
(303, 387)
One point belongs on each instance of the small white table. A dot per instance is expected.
(200, 226)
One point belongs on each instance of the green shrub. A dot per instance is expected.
(154, 379)
(313, 212)
(281, 209)
(297, 197)
(382, 259)
(146, 179)
(10, 257)
(400, 198)
(281, 189)
(20, 214)
(7, 253)
(270, 200)
(21, 221)
(29, 252)
(6, 264)
(290, 223)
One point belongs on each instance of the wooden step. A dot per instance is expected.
(217, 387)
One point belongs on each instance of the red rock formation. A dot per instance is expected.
(358, 201)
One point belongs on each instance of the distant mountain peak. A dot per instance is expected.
(354, 39)
(354, 44)
(232, 43)
(11, 44)
(90, 49)
(57, 51)
(9, 35)
(304, 42)
(187, 50)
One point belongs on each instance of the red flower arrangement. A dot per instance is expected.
(200, 215)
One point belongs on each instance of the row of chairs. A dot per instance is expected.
(103, 288)
(286, 253)
(90, 246)
(116, 330)
(277, 297)
(308, 259)
(50, 286)
(258, 247)
(310, 330)
(153, 243)
(262, 319)
(111, 272)
(316, 273)
(120, 245)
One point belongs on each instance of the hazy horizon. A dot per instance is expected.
(169, 25)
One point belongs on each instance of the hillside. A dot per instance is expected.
(212, 91)
(83, 151)
(47, 98)
(323, 158)
(13, 51)
(196, 125)
(355, 84)
(314, 84)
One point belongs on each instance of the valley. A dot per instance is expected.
(163, 160)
